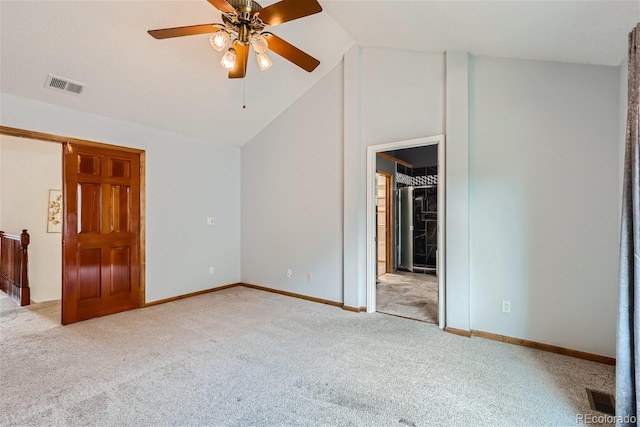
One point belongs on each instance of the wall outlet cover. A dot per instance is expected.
(506, 306)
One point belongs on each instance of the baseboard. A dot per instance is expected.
(546, 347)
(260, 288)
(354, 309)
(292, 294)
(305, 297)
(460, 332)
(192, 294)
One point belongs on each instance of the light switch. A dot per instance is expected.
(211, 220)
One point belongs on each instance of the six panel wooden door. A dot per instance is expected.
(101, 237)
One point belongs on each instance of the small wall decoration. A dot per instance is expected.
(54, 222)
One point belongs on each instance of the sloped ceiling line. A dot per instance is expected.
(178, 85)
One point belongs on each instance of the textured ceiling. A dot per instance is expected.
(178, 85)
(174, 84)
(588, 32)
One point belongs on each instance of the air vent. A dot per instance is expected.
(601, 402)
(64, 85)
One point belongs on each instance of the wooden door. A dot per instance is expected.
(101, 236)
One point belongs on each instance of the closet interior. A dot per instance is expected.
(418, 218)
(407, 233)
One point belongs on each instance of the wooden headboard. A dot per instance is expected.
(14, 270)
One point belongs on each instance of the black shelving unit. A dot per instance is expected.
(417, 218)
(425, 227)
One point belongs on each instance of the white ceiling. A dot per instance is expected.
(588, 32)
(177, 84)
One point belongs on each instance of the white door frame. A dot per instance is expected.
(372, 151)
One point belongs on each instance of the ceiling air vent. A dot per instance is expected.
(64, 85)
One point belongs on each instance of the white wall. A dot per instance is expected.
(187, 180)
(291, 196)
(387, 104)
(353, 228)
(401, 102)
(457, 298)
(542, 185)
(28, 170)
(543, 174)
(292, 171)
(544, 202)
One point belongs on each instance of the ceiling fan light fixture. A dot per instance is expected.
(243, 29)
(219, 39)
(258, 42)
(229, 59)
(264, 62)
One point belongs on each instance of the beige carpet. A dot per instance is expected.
(243, 357)
(412, 295)
(32, 319)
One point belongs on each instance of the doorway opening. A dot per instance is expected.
(94, 175)
(31, 176)
(405, 234)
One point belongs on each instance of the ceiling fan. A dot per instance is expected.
(244, 22)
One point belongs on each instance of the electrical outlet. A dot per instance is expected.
(506, 306)
(289, 274)
(212, 270)
(211, 220)
(309, 277)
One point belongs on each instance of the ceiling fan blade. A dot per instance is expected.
(222, 6)
(291, 53)
(191, 30)
(288, 10)
(240, 68)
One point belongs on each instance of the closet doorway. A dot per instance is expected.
(408, 278)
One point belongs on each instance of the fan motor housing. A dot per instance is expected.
(248, 7)
(245, 10)
(243, 23)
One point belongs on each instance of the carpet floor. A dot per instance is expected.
(243, 357)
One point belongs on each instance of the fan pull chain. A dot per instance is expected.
(244, 93)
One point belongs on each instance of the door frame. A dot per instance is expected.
(61, 140)
(371, 264)
(388, 247)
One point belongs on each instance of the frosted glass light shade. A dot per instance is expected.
(219, 40)
(229, 59)
(258, 42)
(264, 62)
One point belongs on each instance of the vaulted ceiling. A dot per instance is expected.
(178, 84)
